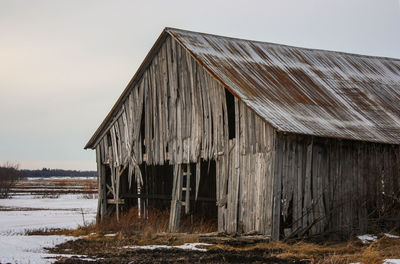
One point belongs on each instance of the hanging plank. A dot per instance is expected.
(198, 174)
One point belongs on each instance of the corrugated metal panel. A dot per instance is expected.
(304, 91)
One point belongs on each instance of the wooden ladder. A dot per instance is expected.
(180, 194)
(186, 187)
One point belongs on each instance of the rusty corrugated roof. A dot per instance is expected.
(296, 90)
(305, 91)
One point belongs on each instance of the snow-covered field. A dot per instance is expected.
(29, 212)
(59, 177)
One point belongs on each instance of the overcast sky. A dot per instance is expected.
(63, 64)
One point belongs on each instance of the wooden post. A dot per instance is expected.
(277, 189)
(308, 211)
(103, 159)
(100, 190)
(175, 211)
(117, 174)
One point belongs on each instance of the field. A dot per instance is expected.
(54, 186)
(42, 204)
(52, 221)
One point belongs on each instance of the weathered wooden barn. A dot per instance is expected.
(266, 138)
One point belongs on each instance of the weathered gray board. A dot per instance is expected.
(331, 185)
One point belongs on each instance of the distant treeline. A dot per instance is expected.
(58, 173)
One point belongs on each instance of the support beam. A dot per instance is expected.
(100, 190)
(277, 190)
(103, 192)
(101, 180)
(175, 212)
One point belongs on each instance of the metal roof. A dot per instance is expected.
(296, 90)
(305, 91)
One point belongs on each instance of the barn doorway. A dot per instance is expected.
(193, 200)
(156, 193)
(205, 204)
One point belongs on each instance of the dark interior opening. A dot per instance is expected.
(206, 200)
(230, 104)
(157, 188)
(156, 191)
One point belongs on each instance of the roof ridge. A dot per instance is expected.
(171, 29)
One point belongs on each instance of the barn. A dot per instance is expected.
(264, 138)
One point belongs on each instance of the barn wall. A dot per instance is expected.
(178, 114)
(332, 185)
(249, 204)
(184, 118)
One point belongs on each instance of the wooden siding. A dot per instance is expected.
(331, 185)
(250, 179)
(184, 118)
(177, 114)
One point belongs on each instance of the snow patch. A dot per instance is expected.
(110, 235)
(186, 246)
(28, 213)
(28, 249)
(391, 261)
(367, 238)
(67, 211)
(391, 236)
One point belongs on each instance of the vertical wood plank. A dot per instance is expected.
(276, 217)
(175, 210)
(307, 209)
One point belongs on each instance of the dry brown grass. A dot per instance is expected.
(329, 253)
(198, 224)
(131, 223)
(156, 221)
(383, 248)
(144, 228)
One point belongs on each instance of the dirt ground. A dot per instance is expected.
(110, 251)
(180, 256)
(100, 248)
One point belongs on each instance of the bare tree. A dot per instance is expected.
(9, 175)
